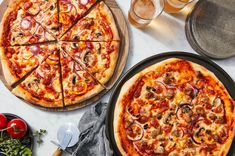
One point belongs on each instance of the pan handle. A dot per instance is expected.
(57, 152)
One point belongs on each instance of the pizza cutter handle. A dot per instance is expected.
(57, 152)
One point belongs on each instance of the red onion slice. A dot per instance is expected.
(40, 73)
(179, 110)
(68, 7)
(138, 148)
(77, 67)
(159, 87)
(128, 112)
(35, 49)
(84, 2)
(136, 130)
(195, 90)
(25, 24)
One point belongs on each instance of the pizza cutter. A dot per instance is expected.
(67, 136)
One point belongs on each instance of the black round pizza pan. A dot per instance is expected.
(201, 60)
(29, 133)
(210, 28)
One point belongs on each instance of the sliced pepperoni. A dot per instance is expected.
(27, 5)
(167, 129)
(154, 123)
(143, 147)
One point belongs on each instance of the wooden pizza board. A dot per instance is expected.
(123, 54)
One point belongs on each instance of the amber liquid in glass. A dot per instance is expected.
(141, 12)
(174, 6)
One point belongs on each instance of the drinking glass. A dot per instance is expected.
(174, 6)
(142, 12)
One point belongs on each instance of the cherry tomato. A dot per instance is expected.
(3, 121)
(17, 128)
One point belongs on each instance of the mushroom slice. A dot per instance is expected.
(216, 102)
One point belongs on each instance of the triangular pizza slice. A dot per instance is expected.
(43, 86)
(78, 84)
(98, 25)
(71, 11)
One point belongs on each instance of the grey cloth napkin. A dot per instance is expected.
(93, 140)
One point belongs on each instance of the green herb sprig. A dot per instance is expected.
(39, 135)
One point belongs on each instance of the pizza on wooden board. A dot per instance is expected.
(46, 71)
(175, 107)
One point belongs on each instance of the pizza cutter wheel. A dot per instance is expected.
(67, 136)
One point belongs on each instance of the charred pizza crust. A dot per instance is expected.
(210, 112)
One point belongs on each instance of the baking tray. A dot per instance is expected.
(211, 66)
(210, 28)
(122, 59)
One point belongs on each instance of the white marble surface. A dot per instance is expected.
(166, 33)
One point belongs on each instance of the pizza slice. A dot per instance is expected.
(99, 58)
(46, 13)
(98, 25)
(78, 85)
(43, 86)
(19, 27)
(18, 61)
(71, 11)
